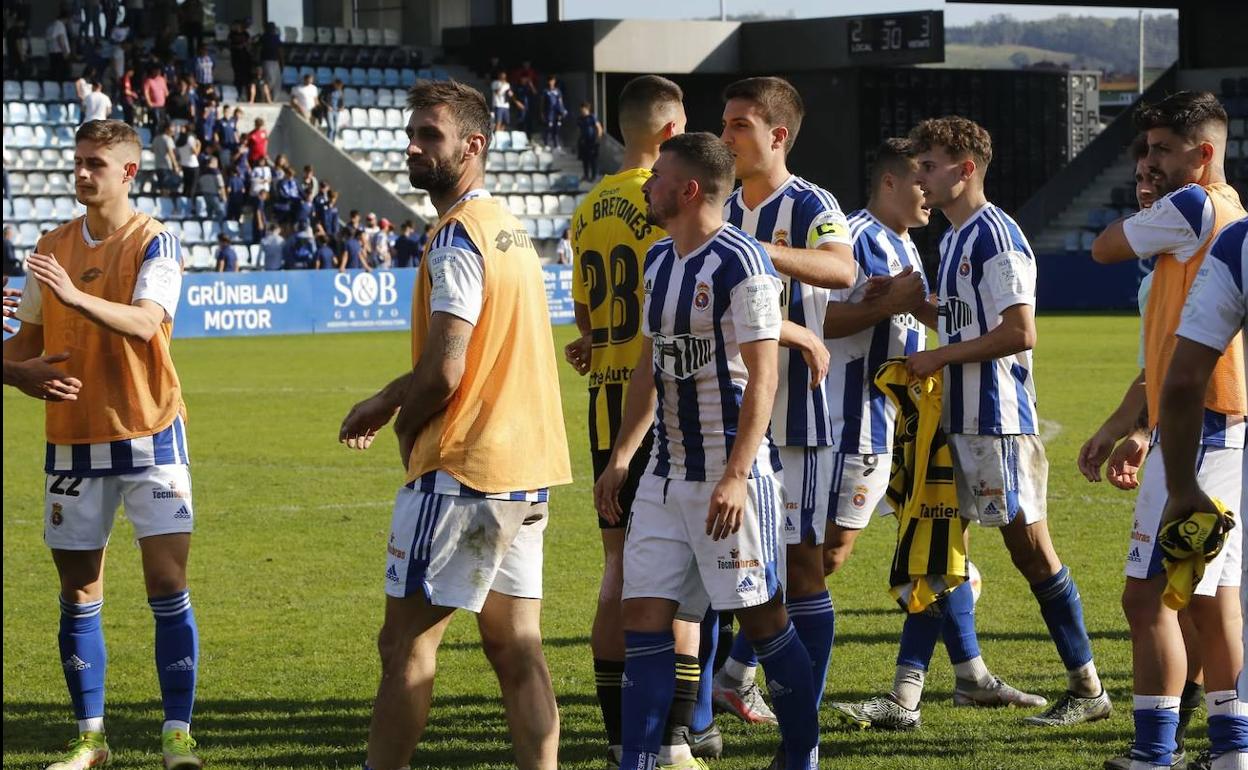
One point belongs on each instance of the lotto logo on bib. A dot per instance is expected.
(363, 300)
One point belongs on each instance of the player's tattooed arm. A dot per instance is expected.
(435, 378)
(454, 345)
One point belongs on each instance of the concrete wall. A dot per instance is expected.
(302, 143)
(673, 46)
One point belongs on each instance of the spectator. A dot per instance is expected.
(82, 86)
(379, 245)
(227, 136)
(526, 102)
(333, 108)
(406, 247)
(272, 248)
(300, 250)
(117, 62)
(324, 252)
(192, 22)
(589, 134)
(57, 36)
(17, 46)
(235, 194)
(309, 181)
(155, 95)
(285, 195)
(525, 70)
(563, 252)
(92, 27)
(261, 185)
(96, 105)
(188, 159)
(328, 215)
(501, 91)
(305, 97)
(305, 208)
(211, 188)
(423, 241)
(111, 8)
(178, 104)
(135, 17)
(553, 112)
(205, 67)
(352, 256)
(350, 226)
(241, 61)
(227, 259)
(12, 265)
(259, 90)
(206, 126)
(257, 143)
(128, 96)
(271, 57)
(166, 161)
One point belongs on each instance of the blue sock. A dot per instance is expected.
(177, 653)
(1063, 614)
(1228, 723)
(83, 657)
(815, 621)
(1156, 720)
(649, 683)
(743, 651)
(919, 633)
(703, 713)
(958, 629)
(786, 665)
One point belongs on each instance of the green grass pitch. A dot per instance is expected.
(286, 575)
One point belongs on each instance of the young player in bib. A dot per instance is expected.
(986, 288)
(610, 238)
(863, 333)
(1216, 311)
(706, 522)
(468, 525)
(105, 288)
(1186, 139)
(804, 231)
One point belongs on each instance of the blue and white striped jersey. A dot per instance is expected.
(1178, 223)
(1217, 308)
(862, 416)
(801, 215)
(699, 309)
(986, 267)
(115, 458)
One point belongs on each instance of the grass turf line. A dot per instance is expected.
(286, 576)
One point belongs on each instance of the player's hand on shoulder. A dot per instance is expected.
(607, 491)
(361, 424)
(578, 353)
(727, 507)
(1126, 460)
(1093, 454)
(50, 273)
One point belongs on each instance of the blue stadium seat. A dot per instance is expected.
(69, 92)
(27, 234)
(164, 208)
(31, 91)
(8, 209)
(229, 93)
(21, 207)
(368, 97)
(359, 76)
(17, 112)
(12, 90)
(385, 97)
(290, 76)
(424, 74)
(375, 77)
(407, 76)
(192, 232)
(64, 136)
(52, 90)
(324, 76)
(63, 207)
(343, 74)
(390, 77)
(350, 138)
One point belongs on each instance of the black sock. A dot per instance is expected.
(607, 675)
(1191, 700)
(725, 640)
(680, 715)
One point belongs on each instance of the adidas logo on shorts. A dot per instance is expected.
(392, 574)
(186, 664)
(182, 513)
(746, 584)
(75, 663)
(1134, 555)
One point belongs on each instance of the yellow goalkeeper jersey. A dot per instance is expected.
(610, 238)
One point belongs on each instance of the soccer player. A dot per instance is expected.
(706, 518)
(1215, 313)
(986, 289)
(1186, 140)
(105, 288)
(1100, 447)
(610, 239)
(804, 231)
(863, 332)
(468, 524)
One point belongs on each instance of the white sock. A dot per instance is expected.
(1138, 765)
(1083, 681)
(973, 670)
(670, 755)
(908, 686)
(737, 673)
(174, 724)
(1225, 703)
(1230, 761)
(92, 725)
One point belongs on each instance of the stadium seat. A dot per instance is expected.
(290, 76)
(390, 36)
(1085, 240)
(8, 208)
(385, 97)
(36, 183)
(201, 257)
(164, 208)
(63, 208)
(145, 204)
(359, 116)
(307, 35)
(368, 97)
(545, 228)
(44, 208)
(27, 234)
(407, 77)
(357, 36)
(192, 232)
(324, 35)
(523, 183)
(359, 76)
(12, 90)
(58, 183)
(390, 77)
(21, 208)
(373, 36)
(567, 204)
(350, 97)
(550, 204)
(31, 91)
(341, 36)
(394, 118)
(501, 142)
(350, 138)
(69, 92)
(64, 136)
(375, 77)
(324, 76)
(52, 90)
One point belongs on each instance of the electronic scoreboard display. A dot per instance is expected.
(871, 36)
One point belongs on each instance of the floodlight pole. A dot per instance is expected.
(1140, 84)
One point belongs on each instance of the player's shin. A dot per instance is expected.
(1228, 730)
(786, 666)
(815, 621)
(960, 638)
(1062, 610)
(177, 656)
(84, 660)
(918, 641)
(1156, 719)
(648, 683)
(703, 711)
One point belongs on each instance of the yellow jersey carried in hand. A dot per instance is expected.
(610, 238)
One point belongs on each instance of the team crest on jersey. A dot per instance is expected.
(702, 296)
(682, 355)
(58, 516)
(964, 269)
(780, 237)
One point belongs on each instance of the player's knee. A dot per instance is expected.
(1032, 563)
(512, 655)
(1140, 603)
(165, 585)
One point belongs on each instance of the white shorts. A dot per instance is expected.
(1219, 473)
(455, 550)
(668, 555)
(858, 485)
(78, 511)
(822, 484)
(1000, 477)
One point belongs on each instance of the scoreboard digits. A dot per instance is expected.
(893, 33)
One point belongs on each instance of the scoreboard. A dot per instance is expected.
(892, 33)
(876, 40)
